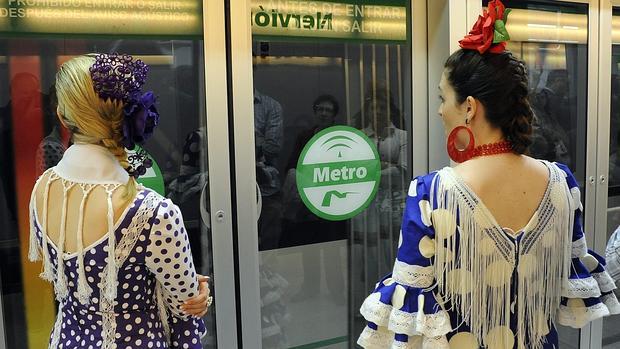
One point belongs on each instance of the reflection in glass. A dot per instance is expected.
(314, 273)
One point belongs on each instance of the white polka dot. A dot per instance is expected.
(464, 340)
(444, 223)
(459, 280)
(413, 188)
(388, 281)
(589, 261)
(425, 212)
(501, 337)
(427, 247)
(498, 273)
(398, 297)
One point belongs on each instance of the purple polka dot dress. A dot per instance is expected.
(133, 302)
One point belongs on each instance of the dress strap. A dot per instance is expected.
(61, 278)
(48, 268)
(84, 290)
(110, 290)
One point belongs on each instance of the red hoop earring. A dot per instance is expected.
(455, 154)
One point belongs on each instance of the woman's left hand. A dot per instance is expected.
(199, 305)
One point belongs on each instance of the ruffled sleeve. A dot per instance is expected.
(169, 257)
(588, 293)
(403, 311)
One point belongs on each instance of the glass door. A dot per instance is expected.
(37, 37)
(330, 154)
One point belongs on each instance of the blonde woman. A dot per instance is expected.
(117, 253)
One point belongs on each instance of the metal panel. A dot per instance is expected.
(245, 175)
(419, 76)
(589, 332)
(219, 172)
(602, 157)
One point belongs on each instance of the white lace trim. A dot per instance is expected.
(413, 275)
(428, 325)
(581, 288)
(122, 250)
(371, 339)
(579, 248)
(605, 282)
(435, 343)
(577, 317)
(413, 343)
(375, 311)
(612, 303)
(398, 321)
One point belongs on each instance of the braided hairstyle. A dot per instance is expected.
(89, 118)
(499, 81)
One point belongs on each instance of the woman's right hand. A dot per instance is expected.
(199, 306)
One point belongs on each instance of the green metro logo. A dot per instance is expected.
(338, 173)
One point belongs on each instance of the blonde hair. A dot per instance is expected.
(91, 119)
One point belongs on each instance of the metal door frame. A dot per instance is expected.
(216, 101)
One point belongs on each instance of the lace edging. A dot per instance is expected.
(612, 303)
(413, 275)
(428, 325)
(398, 321)
(581, 288)
(579, 248)
(577, 317)
(122, 250)
(372, 339)
(604, 281)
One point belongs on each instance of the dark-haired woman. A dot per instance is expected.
(492, 252)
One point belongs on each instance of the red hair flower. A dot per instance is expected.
(489, 32)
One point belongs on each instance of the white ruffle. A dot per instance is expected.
(581, 288)
(372, 339)
(579, 248)
(413, 275)
(604, 281)
(428, 325)
(375, 311)
(577, 317)
(612, 303)
(383, 339)
(398, 321)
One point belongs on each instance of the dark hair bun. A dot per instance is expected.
(499, 81)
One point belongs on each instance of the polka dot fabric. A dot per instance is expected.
(408, 310)
(161, 255)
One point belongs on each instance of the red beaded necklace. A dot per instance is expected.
(500, 147)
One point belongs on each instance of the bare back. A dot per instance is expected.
(510, 186)
(95, 212)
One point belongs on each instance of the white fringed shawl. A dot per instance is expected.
(87, 166)
(477, 279)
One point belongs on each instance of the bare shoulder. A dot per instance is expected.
(495, 170)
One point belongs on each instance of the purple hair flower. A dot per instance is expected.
(120, 77)
(141, 118)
